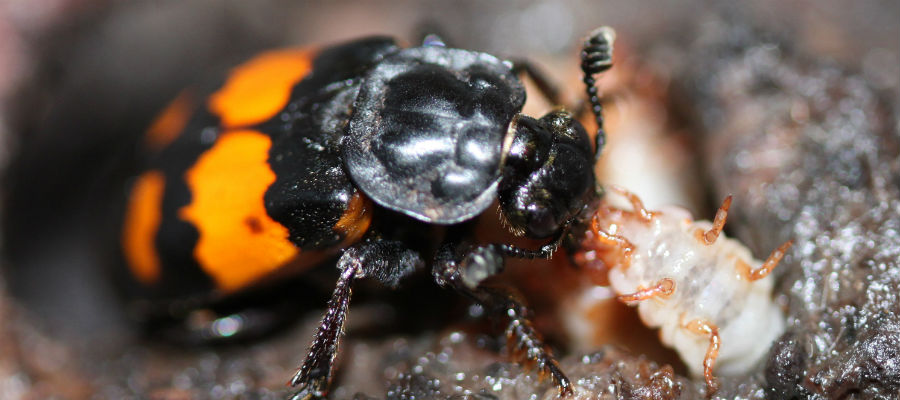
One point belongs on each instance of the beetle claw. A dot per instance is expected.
(309, 392)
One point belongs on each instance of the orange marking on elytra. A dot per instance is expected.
(766, 268)
(257, 89)
(170, 122)
(141, 225)
(239, 243)
(254, 224)
(355, 220)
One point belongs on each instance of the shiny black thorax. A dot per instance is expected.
(427, 132)
(420, 131)
(430, 132)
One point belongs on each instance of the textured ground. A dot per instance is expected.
(813, 154)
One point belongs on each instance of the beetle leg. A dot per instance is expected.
(465, 276)
(704, 327)
(766, 268)
(664, 288)
(384, 260)
(546, 251)
(543, 82)
(525, 340)
(596, 57)
(709, 237)
(315, 374)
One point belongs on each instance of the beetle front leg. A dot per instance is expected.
(546, 251)
(465, 273)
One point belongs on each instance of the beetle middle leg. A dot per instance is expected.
(463, 268)
(386, 261)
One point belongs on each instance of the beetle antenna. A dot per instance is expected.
(596, 57)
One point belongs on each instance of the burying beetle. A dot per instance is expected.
(300, 155)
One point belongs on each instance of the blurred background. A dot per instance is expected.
(80, 79)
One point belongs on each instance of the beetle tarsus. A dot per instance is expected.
(308, 393)
(526, 341)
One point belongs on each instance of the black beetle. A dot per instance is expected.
(355, 150)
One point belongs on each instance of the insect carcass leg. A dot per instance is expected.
(704, 327)
(664, 288)
(709, 237)
(766, 268)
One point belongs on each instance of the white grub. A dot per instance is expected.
(711, 300)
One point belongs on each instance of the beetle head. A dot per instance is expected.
(548, 173)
